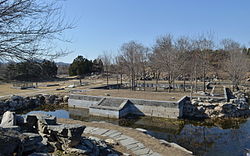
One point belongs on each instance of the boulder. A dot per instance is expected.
(243, 106)
(11, 142)
(78, 150)
(20, 120)
(32, 142)
(68, 135)
(16, 98)
(227, 108)
(201, 109)
(9, 119)
(50, 99)
(209, 112)
(43, 118)
(65, 99)
(218, 108)
(40, 121)
(88, 143)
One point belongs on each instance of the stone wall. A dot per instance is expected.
(79, 101)
(166, 109)
(104, 112)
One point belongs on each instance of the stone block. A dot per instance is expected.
(9, 119)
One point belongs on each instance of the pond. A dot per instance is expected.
(219, 137)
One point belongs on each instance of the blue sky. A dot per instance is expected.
(104, 25)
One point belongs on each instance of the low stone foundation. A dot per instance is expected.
(115, 107)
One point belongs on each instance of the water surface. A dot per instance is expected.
(215, 138)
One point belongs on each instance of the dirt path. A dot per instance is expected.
(148, 141)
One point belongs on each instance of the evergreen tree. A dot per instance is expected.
(97, 66)
(80, 67)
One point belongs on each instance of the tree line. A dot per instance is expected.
(184, 58)
(31, 70)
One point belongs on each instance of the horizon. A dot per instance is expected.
(106, 25)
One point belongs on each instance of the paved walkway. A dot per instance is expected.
(128, 142)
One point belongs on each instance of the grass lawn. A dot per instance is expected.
(149, 95)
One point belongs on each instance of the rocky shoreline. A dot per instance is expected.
(19, 103)
(211, 107)
(42, 135)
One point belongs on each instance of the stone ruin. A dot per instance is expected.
(217, 108)
(41, 135)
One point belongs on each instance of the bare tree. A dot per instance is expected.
(167, 56)
(120, 67)
(155, 66)
(27, 28)
(144, 65)
(107, 61)
(131, 53)
(183, 46)
(202, 46)
(237, 64)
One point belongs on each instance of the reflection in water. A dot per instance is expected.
(210, 137)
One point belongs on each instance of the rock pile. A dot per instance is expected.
(40, 133)
(15, 103)
(215, 108)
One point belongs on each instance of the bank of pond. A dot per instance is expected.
(207, 137)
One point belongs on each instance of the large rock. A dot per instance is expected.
(65, 99)
(32, 142)
(228, 108)
(9, 119)
(43, 118)
(68, 135)
(243, 106)
(16, 98)
(10, 142)
(40, 121)
(80, 150)
(50, 99)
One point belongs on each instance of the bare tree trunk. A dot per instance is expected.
(121, 78)
(157, 79)
(195, 78)
(107, 78)
(117, 81)
(144, 82)
(192, 79)
(133, 81)
(191, 93)
(184, 84)
(169, 84)
(80, 78)
(204, 81)
(173, 83)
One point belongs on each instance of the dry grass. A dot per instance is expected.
(163, 96)
(7, 90)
